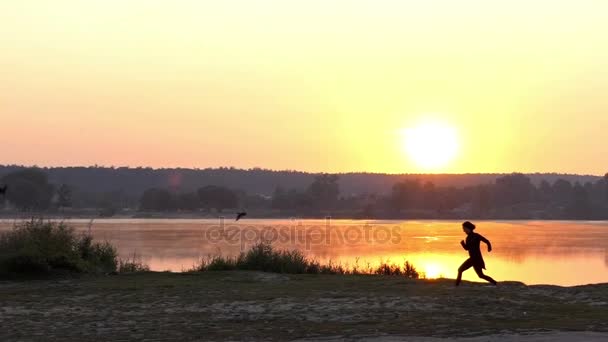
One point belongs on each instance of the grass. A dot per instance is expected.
(133, 265)
(264, 257)
(408, 270)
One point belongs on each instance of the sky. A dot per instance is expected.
(315, 85)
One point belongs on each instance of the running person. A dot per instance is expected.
(475, 259)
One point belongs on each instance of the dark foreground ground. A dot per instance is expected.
(264, 306)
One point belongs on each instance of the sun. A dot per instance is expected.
(432, 271)
(431, 144)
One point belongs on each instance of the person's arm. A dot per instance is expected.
(464, 245)
(487, 242)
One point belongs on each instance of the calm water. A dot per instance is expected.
(534, 252)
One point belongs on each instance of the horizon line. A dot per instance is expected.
(293, 171)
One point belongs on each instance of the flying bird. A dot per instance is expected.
(240, 215)
(3, 190)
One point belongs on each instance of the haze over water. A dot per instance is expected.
(534, 252)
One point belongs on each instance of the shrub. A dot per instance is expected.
(38, 246)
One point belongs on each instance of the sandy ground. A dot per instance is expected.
(558, 336)
(261, 306)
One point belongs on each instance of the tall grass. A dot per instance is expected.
(408, 270)
(264, 257)
(37, 246)
(132, 265)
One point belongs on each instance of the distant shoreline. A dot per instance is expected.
(230, 216)
(92, 214)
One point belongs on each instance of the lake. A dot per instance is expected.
(534, 252)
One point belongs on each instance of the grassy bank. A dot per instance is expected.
(37, 247)
(258, 305)
(264, 257)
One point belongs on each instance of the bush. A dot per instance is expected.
(38, 246)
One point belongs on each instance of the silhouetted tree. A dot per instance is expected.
(482, 200)
(562, 191)
(513, 189)
(579, 206)
(279, 200)
(217, 197)
(545, 191)
(64, 196)
(429, 196)
(188, 201)
(405, 194)
(28, 189)
(156, 200)
(254, 201)
(324, 191)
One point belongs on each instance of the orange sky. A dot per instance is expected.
(309, 85)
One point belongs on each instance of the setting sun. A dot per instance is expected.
(432, 271)
(431, 144)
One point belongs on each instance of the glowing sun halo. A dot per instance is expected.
(432, 271)
(431, 145)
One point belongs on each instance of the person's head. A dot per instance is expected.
(468, 227)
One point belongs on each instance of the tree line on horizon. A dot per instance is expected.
(92, 181)
(512, 196)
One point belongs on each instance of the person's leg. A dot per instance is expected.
(465, 266)
(480, 274)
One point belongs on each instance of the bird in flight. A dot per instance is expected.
(240, 215)
(3, 190)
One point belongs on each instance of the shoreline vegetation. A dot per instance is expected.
(265, 258)
(39, 247)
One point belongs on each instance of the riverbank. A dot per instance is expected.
(241, 305)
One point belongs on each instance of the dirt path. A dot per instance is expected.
(262, 306)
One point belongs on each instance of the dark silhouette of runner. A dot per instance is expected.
(475, 259)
